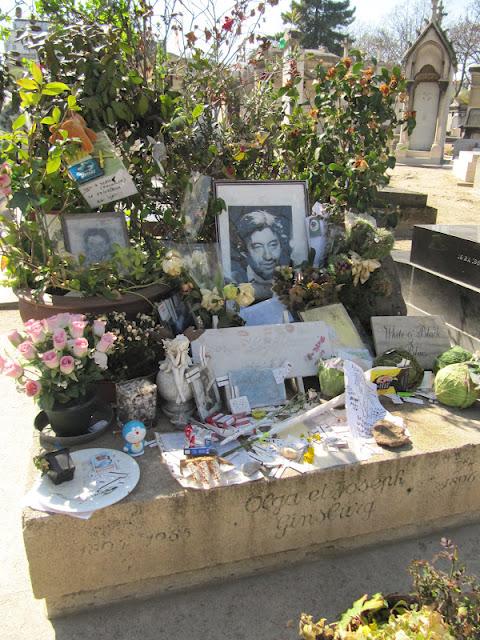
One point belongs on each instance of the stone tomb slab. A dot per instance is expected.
(452, 250)
(162, 537)
(430, 293)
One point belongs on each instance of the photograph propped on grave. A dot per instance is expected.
(262, 227)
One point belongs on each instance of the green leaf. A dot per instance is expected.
(333, 166)
(72, 102)
(19, 122)
(142, 105)
(54, 88)
(19, 199)
(122, 111)
(36, 72)
(135, 78)
(111, 295)
(53, 164)
(357, 67)
(56, 115)
(27, 83)
(177, 123)
(359, 607)
(197, 112)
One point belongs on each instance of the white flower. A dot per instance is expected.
(173, 264)
(101, 359)
(246, 295)
(211, 299)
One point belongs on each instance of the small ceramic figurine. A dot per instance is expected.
(134, 433)
(173, 387)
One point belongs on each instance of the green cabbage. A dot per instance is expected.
(452, 356)
(454, 386)
(331, 377)
(393, 357)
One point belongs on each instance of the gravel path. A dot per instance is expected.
(456, 204)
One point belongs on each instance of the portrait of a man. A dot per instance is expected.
(98, 246)
(259, 242)
(262, 226)
(94, 235)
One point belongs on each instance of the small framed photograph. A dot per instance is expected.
(261, 227)
(174, 314)
(205, 391)
(94, 235)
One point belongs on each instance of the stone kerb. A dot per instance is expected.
(174, 538)
(476, 181)
(465, 166)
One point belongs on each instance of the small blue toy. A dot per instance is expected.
(134, 433)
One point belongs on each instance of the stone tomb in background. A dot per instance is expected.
(441, 277)
(465, 166)
(452, 250)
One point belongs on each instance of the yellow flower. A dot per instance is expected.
(173, 264)
(246, 295)
(309, 455)
(361, 269)
(211, 300)
(230, 291)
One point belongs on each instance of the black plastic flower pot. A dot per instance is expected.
(73, 418)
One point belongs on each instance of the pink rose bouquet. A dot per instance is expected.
(57, 359)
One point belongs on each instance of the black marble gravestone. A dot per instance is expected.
(452, 250)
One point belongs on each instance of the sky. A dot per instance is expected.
(368, 12)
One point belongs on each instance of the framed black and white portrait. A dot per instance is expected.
(261, 227)
(94, 235)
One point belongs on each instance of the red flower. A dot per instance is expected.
(191, 38)
(227, 23)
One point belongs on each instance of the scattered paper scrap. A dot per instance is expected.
(362, 404)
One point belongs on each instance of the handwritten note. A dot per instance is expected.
(347, 341)
(110, 182)
(361, 402)
(425, 337)
(302, 344)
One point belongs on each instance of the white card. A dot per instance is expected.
(240, 405)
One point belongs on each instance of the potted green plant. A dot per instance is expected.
(443, 605)
(57, 362)
(35, 179)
